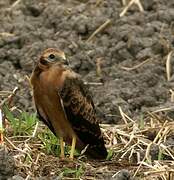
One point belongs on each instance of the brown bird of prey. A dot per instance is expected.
(65, 105)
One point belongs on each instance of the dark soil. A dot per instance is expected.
(120, 49)
(31, 26)
(7, 165)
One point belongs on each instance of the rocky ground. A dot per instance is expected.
(131, 51)
(124, 63)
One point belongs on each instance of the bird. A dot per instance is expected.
(64, 103)
(1, 128)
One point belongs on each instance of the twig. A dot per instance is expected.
(137, 2)
(172, 95)
(158, 171)
(1, 116)
(28, 177)
(18, 149)
(160, 131)
(93, 83)
(136, 66)
(164, 133)
(141, 163)
(2, 119)
(6, 34)
(1, 128)
(34, 132)
(98, 66)
(104, 25)
(29, 81)
(148, 152)
(122, 114)
(15, 4)
(167, 150)
(164, 109)
(10, 97)
(37, 159)
(168, 65)
(5, 93)
(124, 2)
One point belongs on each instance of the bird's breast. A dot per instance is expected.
(46, 96)
(49, 106)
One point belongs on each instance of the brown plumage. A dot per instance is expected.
(65, 105)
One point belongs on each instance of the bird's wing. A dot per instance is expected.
(41, 115)
(80, 112)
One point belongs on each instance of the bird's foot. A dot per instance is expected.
(1, 138)
(62, 157)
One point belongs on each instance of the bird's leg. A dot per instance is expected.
(73, 145)
(1, 127)
(62, 153)
(1, 137)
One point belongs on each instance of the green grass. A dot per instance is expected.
(160, 154)
(110, 154)
(74, 172)
(50, 142)
(23, 124)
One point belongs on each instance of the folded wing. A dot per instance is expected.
(80, 112)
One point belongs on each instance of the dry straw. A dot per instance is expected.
(137, 145)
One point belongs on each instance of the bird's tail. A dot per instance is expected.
(97, 151)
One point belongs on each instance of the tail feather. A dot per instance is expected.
(97, 152)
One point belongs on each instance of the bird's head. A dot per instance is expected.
(52, 56)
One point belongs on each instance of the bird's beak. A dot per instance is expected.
(63, 56)
(66, 61)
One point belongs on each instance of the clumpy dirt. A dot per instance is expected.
(131, 51)
(124, 63)
(7, 164)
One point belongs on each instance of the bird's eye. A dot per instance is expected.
(51, 56)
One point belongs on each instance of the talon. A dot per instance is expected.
(73, 145)
(62, 152)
